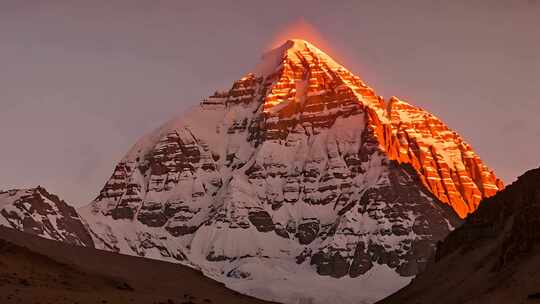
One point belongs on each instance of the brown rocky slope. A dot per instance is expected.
(35, 270)
(493, 257)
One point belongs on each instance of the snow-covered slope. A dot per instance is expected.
(36, 211)
(297, 184)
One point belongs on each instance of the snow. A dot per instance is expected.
(287, 282)
(125, 235)
(8, 197)
(270, 262)
(271, 60)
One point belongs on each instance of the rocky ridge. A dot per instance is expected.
(39, 212)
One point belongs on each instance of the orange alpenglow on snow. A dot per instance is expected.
(308, 81)
(446, 164)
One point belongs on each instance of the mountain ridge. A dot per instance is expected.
(36, 211)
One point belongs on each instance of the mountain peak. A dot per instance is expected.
(297, 71)
(299, 162)
(39, 212)
(295, 50)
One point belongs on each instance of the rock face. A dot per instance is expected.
(36, 211)
(299, 170)
(446, 164)
(494, 257)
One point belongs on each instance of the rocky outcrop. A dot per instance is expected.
(406, 221)
(36, 211)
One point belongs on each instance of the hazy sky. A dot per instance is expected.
(81, 81)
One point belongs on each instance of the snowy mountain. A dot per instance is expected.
(36, 211)
(493, 257)
(297, 184)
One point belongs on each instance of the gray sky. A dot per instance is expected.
(81, 81)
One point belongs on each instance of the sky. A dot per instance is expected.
(81, 81)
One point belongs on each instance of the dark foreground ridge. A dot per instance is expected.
(493, 257)
(36, 270)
